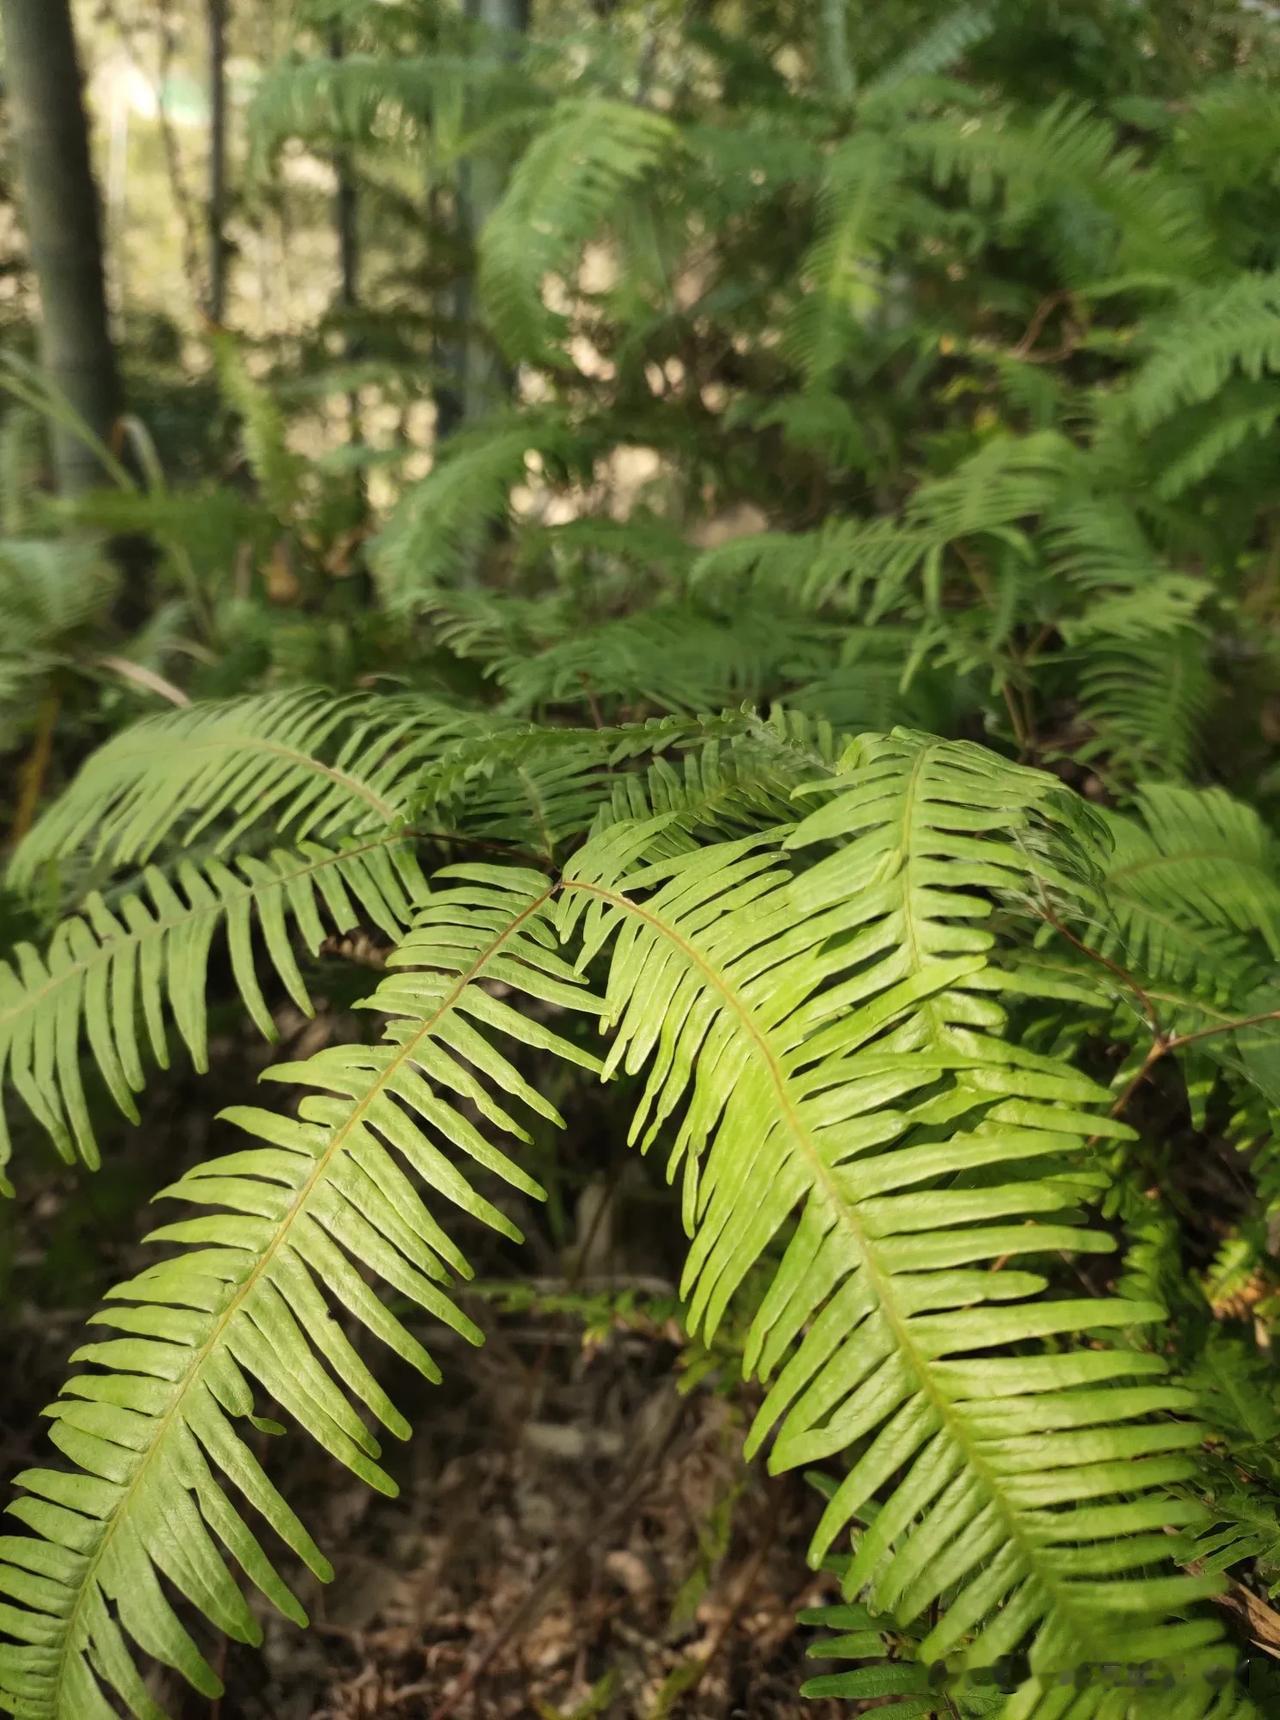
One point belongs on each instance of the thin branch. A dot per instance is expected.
(35, 767)
(1122, 974)
(593, 704)
(1165, 1043)
(1177, 1041)
(1039, 317)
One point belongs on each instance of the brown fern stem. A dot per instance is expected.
(35, 767)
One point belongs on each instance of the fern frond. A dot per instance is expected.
(721, 791)
(840, 1074)
(1010, 478)
(306, 764)
(1098, 542)
(1190, 878)
(591, 152)
(1069, 157)
(364, 95)
(859, 211)
(1167, 604)
(844, 565)
(1239, 415)
(1146, 703)
(673, 657)
(551, 783)
(446, 518)
(938, 48)
(264, 429)
(156, 1428)
(146, 956)
(887, 678)
(1214, 335)
(902, 1688)
(22, 462)
(49, 589)
(49, 592)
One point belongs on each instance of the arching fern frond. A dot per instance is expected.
(1070, 156)
(677, 657)
(591, 152)
(859, 211)
(145, 957)
(1008, 479)
(1211, 337)
(841, 1078)
(278, 471)
(445, 518)
(938, 48)
(1146, 702)
(156, 1427)
(352, 98)
(50, 593)
(1240, 414)
(1191, 878)
(721, 790)
(845, 564)
(827, 1043)
(306, 764)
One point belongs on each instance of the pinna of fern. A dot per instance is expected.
(224, 788)
(832, 1078)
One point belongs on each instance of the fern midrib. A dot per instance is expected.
(846, 1214)
(110, 949)
(1211, 856)
(538, 808)
(306, 761)
(410, 1044)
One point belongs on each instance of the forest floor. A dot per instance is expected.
(573, 1537)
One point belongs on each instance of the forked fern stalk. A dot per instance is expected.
(809, 954)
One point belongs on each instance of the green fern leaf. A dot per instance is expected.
(304, 764)
(156, 1428)
(939, 47)
(1146, 702)
(278, 470)
(859, 211)
(1212, 336)
(147, 954)
(840, 1072)
(445, 519)
(591, 153)
(1188, 880)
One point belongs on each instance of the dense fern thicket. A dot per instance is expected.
(825, 686)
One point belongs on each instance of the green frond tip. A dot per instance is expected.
(115, 977)
(846, 1092)
(292, 1226)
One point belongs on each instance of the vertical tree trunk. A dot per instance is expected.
(345, 212)
(834, 38)
(481, 378)
(346, 221)
(63, 224)
(218, 259)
